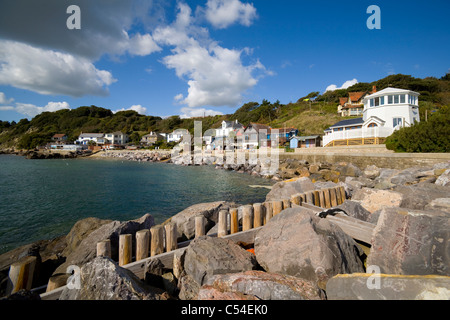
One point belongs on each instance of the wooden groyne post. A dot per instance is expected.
(21, 275)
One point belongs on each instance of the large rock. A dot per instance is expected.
(87, 249)
(444, 179)
(420, 195)
(347, 169)
(185, 220)
(388, 287)
(285, 189)
(373, 199)
(300, 244)
(411, 242)
(442, 204)
(81, 230)
(206, 257)
(356, 210)
(103, 279)
(260, 285)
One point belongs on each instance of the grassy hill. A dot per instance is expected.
(308, 117)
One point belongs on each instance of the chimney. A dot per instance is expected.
(374, 89)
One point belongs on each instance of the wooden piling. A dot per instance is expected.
(199, 226)
(309, 197)
(326, 193)
(223, 224)
(142, 244)
(21, 275)
(321, 199)
(258, 213)
(247, 217)
(125, 249)
(104, 248)
(343, 195)
(333, 197)
(296, 199)
(171, 237)
(234, 221)
(316, 198)
(338, 196)
(268, 212)
(157, 241)
(277, 207)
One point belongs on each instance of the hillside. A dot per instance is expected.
(308, 117)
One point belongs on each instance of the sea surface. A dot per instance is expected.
(42, 199)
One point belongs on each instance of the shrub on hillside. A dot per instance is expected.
(431, 136)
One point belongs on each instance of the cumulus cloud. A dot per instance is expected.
(216, 76)
(223, 13)
(197, 112)
(347, 84)
(138, 108)
(50, 72)
(30, 110)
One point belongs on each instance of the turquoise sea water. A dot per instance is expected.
(42, 199)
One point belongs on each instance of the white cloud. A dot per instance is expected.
(50, 72)
(6, 108)
(198, 112)
(142, 45)
(31, 110)
(138, 108)
(3, 99)
(223, 13)
(179, 97)
(216, 76)
(347, 84)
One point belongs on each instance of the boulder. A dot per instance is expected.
(348, 169)
(103, 279)
(206, 257)
(300, 244)
(81, 230)
(371, 172)
(185, 220)
(87, 249)
(442, 204)
(255, 285)
(356, 210)
(444, 179)
(285, 189)
(388, 287)
(373, 199)
(411, 242)
(418, 196)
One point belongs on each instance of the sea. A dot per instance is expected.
(43, 199)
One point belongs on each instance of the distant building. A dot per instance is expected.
(384, 112)
(353, 105)
(85, 138)
(175, 136)
(59, 137)
(305, 142)
(118, 138)
(255, 135)
(225, 136)
(283, 135)
(152, 138)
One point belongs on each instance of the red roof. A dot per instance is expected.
(343, 101)
(356, 96)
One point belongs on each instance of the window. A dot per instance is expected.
(397, 121)
(396, 99)
(371, 103)
(377, 102)
(372, 125)
(390, 99)
(402, 98)
(382, 100)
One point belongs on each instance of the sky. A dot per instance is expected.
(196, 58)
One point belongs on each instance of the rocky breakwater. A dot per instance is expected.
(296, 254)
(141, 156)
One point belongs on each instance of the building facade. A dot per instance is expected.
(384, 112)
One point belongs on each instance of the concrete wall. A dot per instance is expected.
(363, 156)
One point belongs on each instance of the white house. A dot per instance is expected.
(85, 138)
(384, 112)
(117, 137)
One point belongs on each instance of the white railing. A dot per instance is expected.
(357, 134)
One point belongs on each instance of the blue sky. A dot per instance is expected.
(191, 58)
